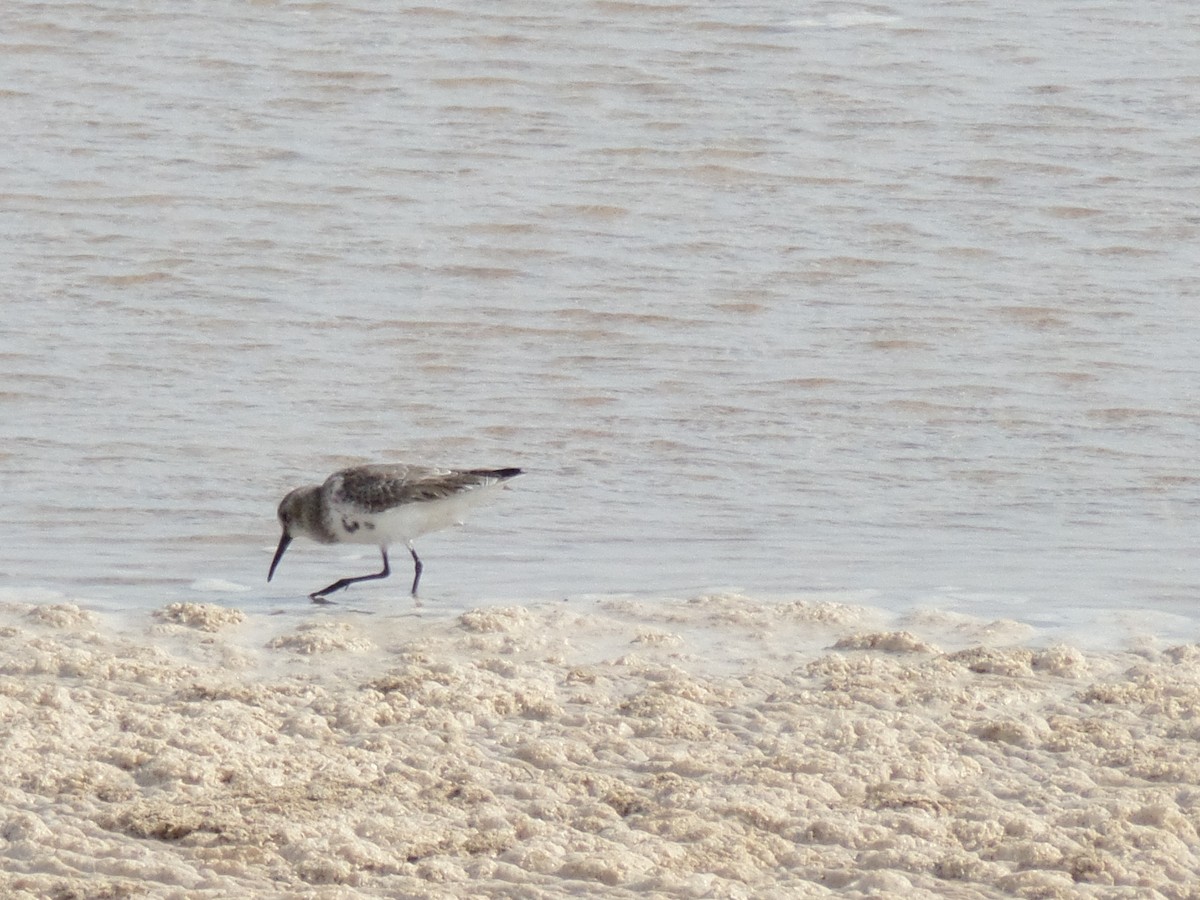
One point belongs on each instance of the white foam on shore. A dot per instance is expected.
(715, 746)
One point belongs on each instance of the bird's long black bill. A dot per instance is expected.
(283, 545)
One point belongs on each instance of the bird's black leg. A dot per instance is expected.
(319, 596)
(418, 567)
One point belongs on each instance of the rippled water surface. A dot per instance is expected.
(775, 297)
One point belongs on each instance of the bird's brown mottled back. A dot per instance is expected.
(376, 488)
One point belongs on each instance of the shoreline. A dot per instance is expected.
(717, 746)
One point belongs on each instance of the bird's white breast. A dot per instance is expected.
(406, 522)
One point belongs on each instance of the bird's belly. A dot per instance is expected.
(404, 523)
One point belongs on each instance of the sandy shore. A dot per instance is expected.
(713, 747)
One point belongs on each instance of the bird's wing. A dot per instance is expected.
(379, 487)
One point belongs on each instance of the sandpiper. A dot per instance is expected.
(381, 505)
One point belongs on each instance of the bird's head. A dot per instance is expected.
(295, 513)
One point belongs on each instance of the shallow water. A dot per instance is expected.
(893, 298)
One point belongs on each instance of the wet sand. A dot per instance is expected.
(711, 747)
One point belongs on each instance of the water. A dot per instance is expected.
(779, 298)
